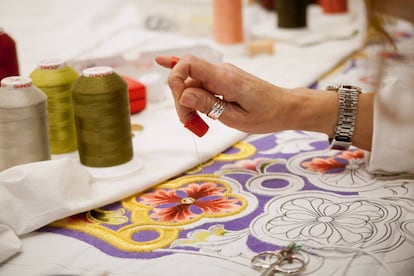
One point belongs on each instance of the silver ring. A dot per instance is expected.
(217, 109)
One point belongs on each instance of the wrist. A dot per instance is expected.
(315, 110)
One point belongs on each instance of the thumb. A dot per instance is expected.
(198, 99)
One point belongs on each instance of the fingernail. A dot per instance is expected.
(196, 125)
(174, 61)
(188, 100)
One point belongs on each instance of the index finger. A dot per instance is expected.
(166, 61)
(189, 66)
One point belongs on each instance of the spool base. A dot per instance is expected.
(118, 171)
(105, 173)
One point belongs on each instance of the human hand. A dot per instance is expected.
(251, 105)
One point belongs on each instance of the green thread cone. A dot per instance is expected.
(102, 118)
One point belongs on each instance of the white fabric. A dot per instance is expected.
(10, 244)
(36, 194)
(393, 137)
(55, 189)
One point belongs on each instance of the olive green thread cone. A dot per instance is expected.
(102, 119)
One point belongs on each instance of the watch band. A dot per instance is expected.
(348, 104)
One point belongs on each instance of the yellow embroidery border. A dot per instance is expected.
(140, 220)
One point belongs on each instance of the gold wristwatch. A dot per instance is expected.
(348, 104)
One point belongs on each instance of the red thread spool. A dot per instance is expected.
(137, 95)
(8, 56)
(334, 6)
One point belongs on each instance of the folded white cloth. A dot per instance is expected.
(35, 194)
(10, 244)
(392, 146)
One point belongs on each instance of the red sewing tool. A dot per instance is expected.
(174, 61)
(195, 124)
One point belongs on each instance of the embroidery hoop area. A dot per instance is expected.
(258, 200)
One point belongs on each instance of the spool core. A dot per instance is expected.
(97, 71)
(16, 82)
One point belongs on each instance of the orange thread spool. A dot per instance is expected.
(228, 21)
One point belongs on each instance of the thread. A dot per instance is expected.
(311, 249)
(228, 21)
(102, 118)
(55, 78)
(23, 123)
(9, 65)
(291, 13)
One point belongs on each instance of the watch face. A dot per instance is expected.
(336, 87)
(339, 145)
(350, 88)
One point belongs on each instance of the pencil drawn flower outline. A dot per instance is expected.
(322, 219)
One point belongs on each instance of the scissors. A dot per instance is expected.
(159, 22)
(283, 261)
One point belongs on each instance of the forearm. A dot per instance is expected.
(318, 111)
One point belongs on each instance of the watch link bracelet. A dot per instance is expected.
(348, 104)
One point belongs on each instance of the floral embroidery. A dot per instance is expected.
(249, 164)
(350, 160)
(226, 243)
(190, 202)
(113, 217)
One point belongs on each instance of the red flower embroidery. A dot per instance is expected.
(189, 202)
(349, 155)
(247, 164)
(336, 163)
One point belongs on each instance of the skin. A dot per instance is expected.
(256, 106)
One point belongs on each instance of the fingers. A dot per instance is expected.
(213, 77)
(195, 84)
(200, 86)
(188, 115)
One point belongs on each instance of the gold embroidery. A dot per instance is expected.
(116, 217)
(245, 150)
(164, 233)
(122, 239)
